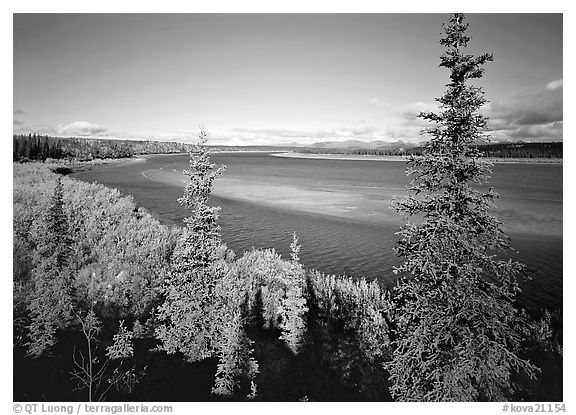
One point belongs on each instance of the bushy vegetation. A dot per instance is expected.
(84, 257)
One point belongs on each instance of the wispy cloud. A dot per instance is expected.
(402, 122)
(555, 84)
(18, 111)
(284, 135)
(411, 111)
(81, 128)
(376, 102)
(23, 128)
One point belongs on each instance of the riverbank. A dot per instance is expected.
(405, 158)
(75, 165)
(339, 156)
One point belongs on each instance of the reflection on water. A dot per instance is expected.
(340, 210)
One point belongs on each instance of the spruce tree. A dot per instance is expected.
(201, 315)
(188, 315)
(458, 335)
(50, 304)
(293, 307)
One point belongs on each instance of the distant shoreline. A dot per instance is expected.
(405, 158)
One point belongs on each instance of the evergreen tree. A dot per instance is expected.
(293, 308)
(51, 298)
(457, 335)
(202, 314)
(16, 148)
(235, 361)
(189, 311)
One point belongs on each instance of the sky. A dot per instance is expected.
(274, 79)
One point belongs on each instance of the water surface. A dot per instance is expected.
(340, 210)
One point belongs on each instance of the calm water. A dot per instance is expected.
(340, 210)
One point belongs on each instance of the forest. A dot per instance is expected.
(34, 147)
(532, 150)
(27, 147)
(110, 305)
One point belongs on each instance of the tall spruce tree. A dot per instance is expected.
(458, 335)
(50, 304)
(190, 310)
(201, 315)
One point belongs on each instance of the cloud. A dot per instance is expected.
(402, 122)
(280, 136)
(541, 131)
(277, 135)
(411, 111)
(18, 111)
(536, 115)
(356, 131)
(17, 122)
(375, 101)
(42, 129)
(555, 84)
(81, 128)
(542, 107)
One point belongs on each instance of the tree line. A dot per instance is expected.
(535, 150)
(26, 147)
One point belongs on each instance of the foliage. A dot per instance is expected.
(348, 330)
(293, 307)
(121, 252)
(83, 249)
(274, 291)
(189, 309)
(457, 335)
(94, 373)
(235, 357)
(203, 299)
(118, 253)
(122, 346)
(292, 313)
(50, 303)
(360, 306)
(125, 379)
